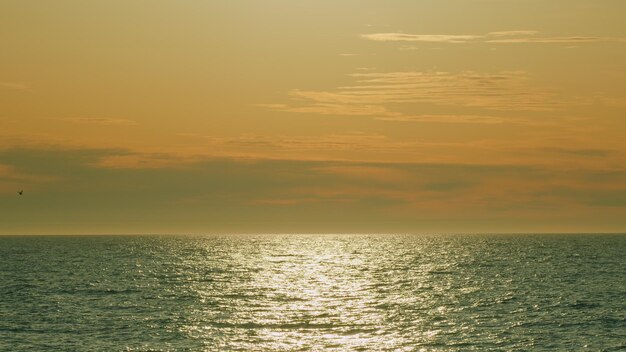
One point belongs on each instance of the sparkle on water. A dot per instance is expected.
(313, 292)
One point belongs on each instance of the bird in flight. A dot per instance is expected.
(20, 192)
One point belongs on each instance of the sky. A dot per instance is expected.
(312, 116)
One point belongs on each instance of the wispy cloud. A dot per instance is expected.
(581, 152)
(368, 147)
(519, 36)
(558, 40)
(433, 188)
(354, 141)
(512, 33)
(369, 173)
(380, 95)
(248, 147)
(335, 109)
(219, 191)
(142, 161)
(23, 86)
(101, 121)
(429, 38)
(501, 91)
(480, 119)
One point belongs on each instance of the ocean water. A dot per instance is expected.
(313, 293)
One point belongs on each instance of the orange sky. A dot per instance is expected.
(312, 116)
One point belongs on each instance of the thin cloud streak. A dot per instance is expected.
(557, 40)
(102, 121)
(430, 38)
(374, 94)
(502, 91)
(525, 36)
(22, 86)
(335, 109)
(512, 33)
(479, 119)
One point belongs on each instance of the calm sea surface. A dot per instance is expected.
(317, 292)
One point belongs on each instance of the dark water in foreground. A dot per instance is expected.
(323, 292)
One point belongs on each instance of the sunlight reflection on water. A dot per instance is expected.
(315, 292)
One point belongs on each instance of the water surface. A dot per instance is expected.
(313, 292)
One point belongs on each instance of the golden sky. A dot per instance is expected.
(312, 116)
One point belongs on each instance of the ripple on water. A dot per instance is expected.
(286, 293)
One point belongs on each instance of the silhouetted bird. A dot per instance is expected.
(20, 192)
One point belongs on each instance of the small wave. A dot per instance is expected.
(279, 326)
(584, 305)
(102, 292)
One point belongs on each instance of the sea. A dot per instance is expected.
(383, 292)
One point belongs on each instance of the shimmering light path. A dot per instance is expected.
(318, 292)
